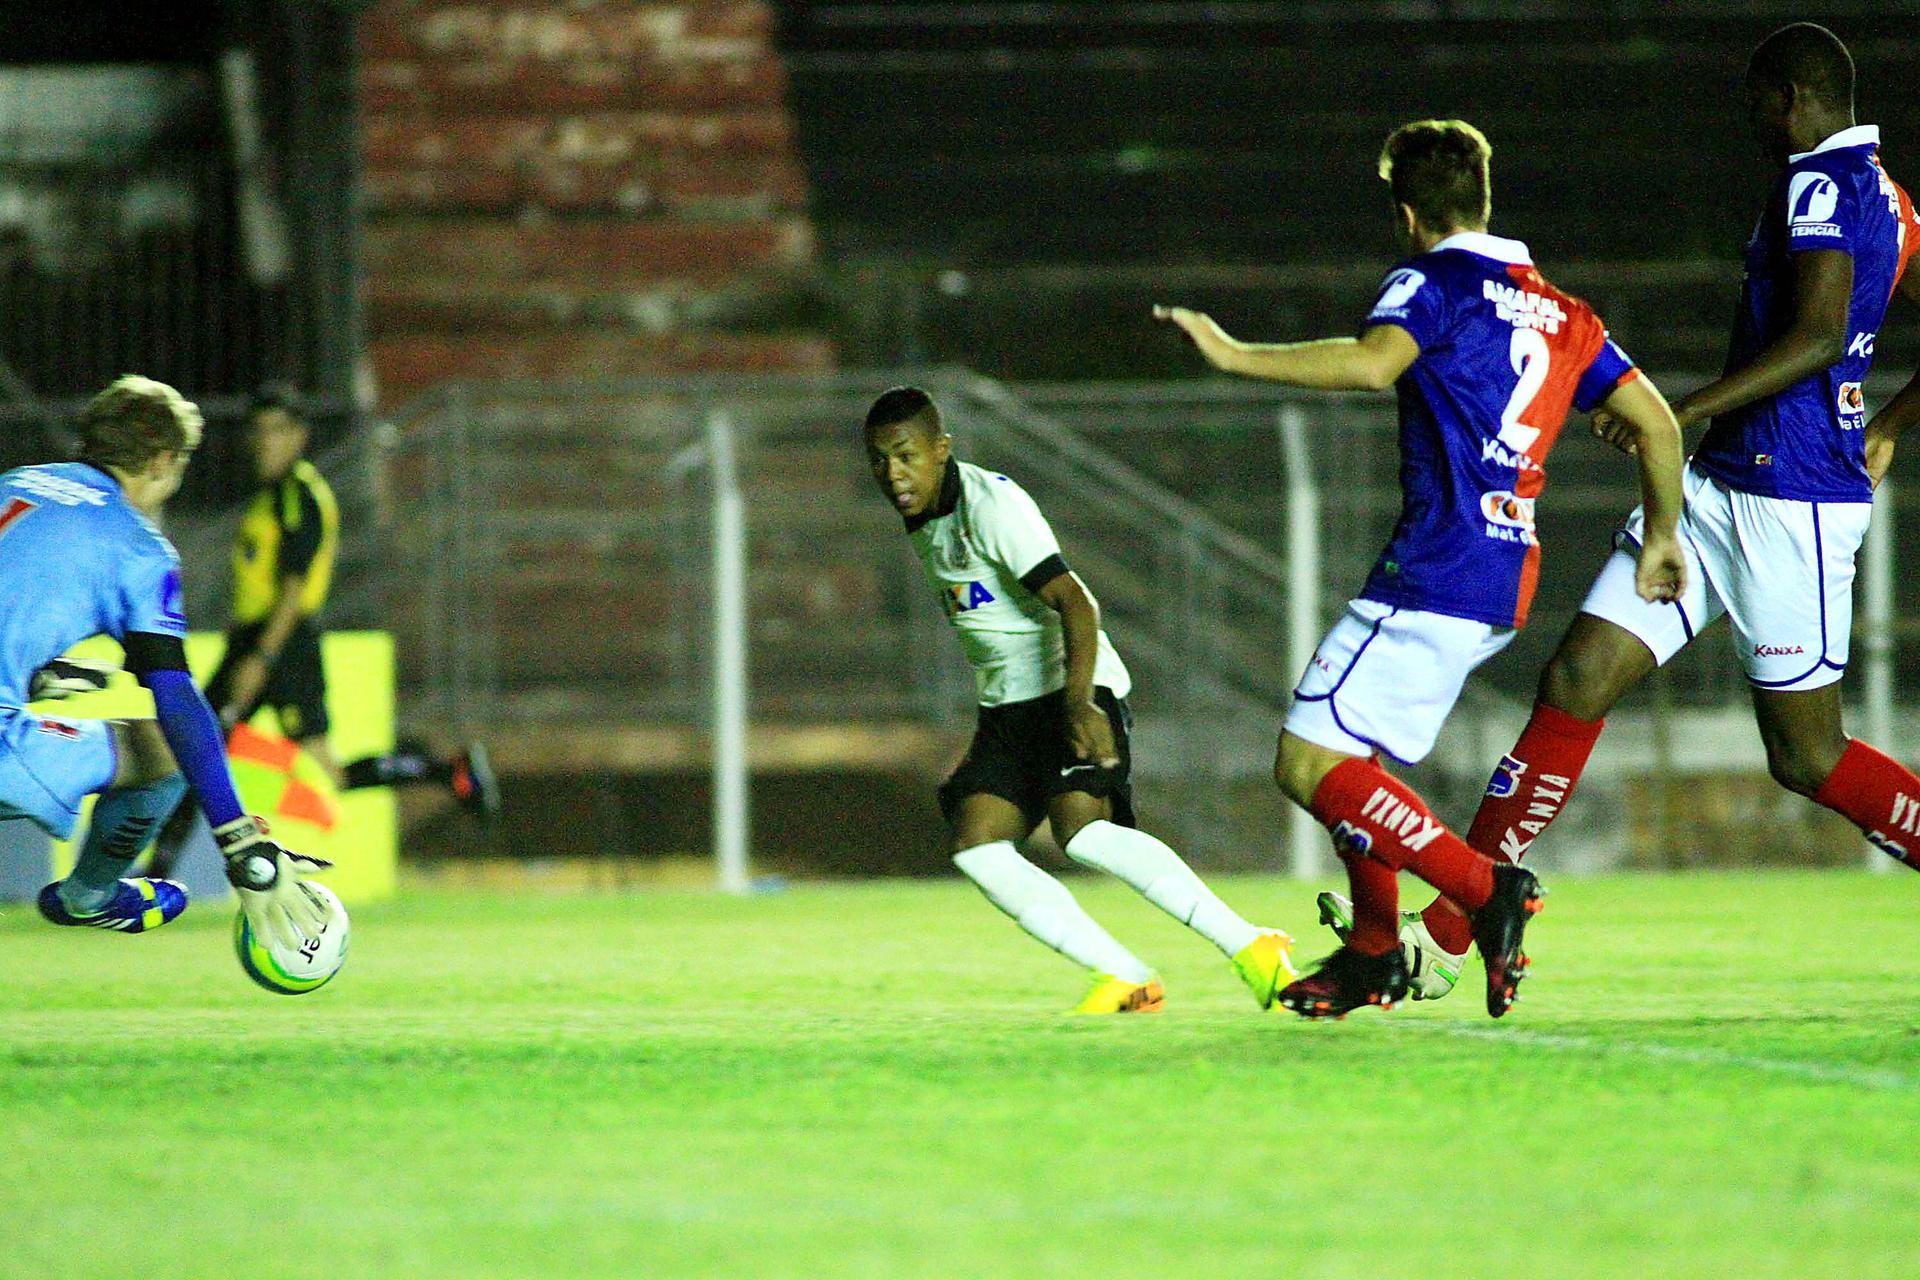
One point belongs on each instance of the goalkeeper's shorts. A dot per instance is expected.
(48, 766)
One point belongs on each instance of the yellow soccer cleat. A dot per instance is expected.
(1111, 995)
(1266, 965)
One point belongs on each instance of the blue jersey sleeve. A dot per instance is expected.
(1609, 368)
(151, 598)
(1822, 212)
(1413, 302)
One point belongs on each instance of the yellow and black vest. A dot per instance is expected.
(292, 526)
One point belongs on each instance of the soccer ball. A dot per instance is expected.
(295, 971)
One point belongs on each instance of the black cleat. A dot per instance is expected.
(1497, 930)
(1347, 980)
(473, 783)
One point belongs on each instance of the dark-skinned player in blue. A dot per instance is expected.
(1779, 494)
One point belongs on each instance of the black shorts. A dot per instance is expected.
(296, 685)
(1020, 754)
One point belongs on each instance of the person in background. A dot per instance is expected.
(283, 560)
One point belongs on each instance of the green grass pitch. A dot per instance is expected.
(1714, 1075)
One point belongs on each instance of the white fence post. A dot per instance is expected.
(730, 830)
(1305, 839)
(1876, 711)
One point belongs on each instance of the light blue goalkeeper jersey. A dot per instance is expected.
(76, 560)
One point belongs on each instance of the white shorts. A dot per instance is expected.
(1780, 569)
(1385, 679)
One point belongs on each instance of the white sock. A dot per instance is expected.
(1044, 908)
(1162, 879)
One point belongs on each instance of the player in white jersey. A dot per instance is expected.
(1052, 737)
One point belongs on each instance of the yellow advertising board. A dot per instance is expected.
(357, 830)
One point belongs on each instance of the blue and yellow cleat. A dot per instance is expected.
(138, 905)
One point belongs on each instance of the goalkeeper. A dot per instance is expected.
(80, 555)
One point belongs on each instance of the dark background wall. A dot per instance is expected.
(1010, 185)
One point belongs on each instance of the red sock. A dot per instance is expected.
(1376, 905)
(1529, 787)
(1879, 795)
(1532, 782)
(1373, 814)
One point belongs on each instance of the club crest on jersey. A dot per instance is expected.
(963, 597)
(1509, 517)
(955, 556)
(1506, 777)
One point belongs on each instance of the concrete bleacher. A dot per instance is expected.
(1009, 158)
(558, 190)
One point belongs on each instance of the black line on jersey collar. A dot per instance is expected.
(111, 478)
(945, 504)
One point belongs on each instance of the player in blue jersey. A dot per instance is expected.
(80, 556)
(1486, 358)
(1778, 494)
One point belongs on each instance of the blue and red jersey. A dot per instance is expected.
(1807, 442)
(1503, 356)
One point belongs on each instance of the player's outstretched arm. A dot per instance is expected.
(1899, 413)
(1817, 338)
(1643, 425)
(1372, 362)
(266, 875)
(1089, 733)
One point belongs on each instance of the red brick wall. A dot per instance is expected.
(572, 188)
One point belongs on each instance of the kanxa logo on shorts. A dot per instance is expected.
(1776, 650)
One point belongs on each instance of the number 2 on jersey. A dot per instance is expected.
(15, 511)
(1528, 353)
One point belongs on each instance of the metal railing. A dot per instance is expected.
(556, 549)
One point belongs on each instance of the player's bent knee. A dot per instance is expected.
(166, 792)
(1801, 770)
(1299, 766)
(1071, 813)
(1578, 685)
(145, 756)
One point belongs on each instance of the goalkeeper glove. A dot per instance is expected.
(64, 677)
(268, 879)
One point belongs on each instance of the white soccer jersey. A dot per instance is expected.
(980, 557)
